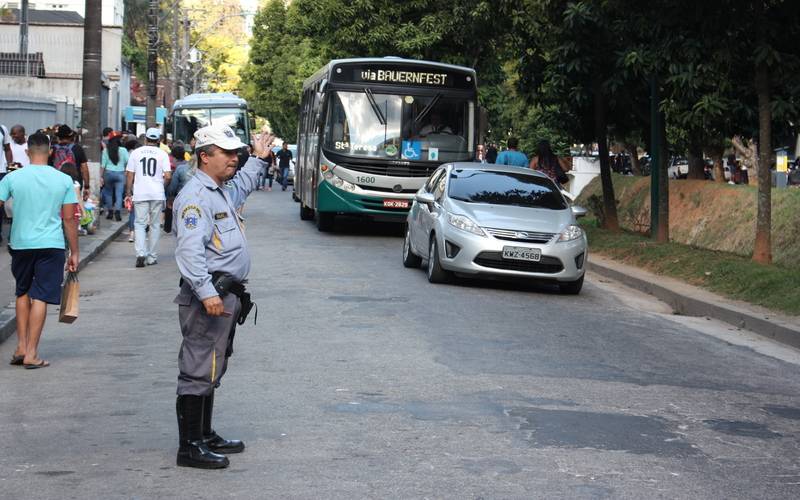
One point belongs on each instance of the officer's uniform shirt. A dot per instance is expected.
(210, 232)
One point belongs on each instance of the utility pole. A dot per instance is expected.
(90, 101)
(185, 52)
(23, 35)
(177, 53)
(655, 157)
(152, 62)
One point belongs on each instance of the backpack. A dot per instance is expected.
(63, 153)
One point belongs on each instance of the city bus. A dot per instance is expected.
(198, 110)
(372, 130)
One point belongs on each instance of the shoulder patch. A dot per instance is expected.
(190, 215)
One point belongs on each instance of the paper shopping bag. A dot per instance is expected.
(69, 299)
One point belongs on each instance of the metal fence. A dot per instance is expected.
(15, 64)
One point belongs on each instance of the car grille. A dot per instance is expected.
(392, 170)
(495, 260)
(525, 236)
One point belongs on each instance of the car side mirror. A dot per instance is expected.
(579, 212)
(425, 198)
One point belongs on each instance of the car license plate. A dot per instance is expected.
(522, 253)
(395, 203)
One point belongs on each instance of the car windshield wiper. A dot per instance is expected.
(375, 108)
(427, 109)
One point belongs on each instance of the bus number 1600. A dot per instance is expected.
(365, 180)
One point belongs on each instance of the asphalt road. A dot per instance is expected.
(361, 380)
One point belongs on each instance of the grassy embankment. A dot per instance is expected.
(712, 228)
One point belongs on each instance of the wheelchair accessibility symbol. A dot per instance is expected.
(412, 150)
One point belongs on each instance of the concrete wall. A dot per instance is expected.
(62, 48)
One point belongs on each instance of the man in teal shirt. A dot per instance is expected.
(44, 210)
(511, 156)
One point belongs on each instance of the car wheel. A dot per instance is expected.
(306, 213)
(571, 287)
(436, 273)
(324, 220)
(410, 259)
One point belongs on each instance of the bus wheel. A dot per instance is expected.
(324, 221)
(306, 213)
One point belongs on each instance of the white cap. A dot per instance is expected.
(153, 133)
(219, 135)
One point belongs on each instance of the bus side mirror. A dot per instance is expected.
(252, 119)
(483, 124)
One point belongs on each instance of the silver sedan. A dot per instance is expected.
(493, 220)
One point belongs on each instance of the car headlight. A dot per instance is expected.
(464, 223)
(571, 232)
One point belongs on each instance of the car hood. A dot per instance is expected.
(513, 217)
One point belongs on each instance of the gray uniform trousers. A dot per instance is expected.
(207, 343)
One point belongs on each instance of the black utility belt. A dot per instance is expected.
(224, 284)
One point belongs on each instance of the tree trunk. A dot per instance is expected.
(762, 251)
(601, 135)
(719, 169)
(696, 163)
(633, 150)
(663, 183)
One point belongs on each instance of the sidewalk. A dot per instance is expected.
(690, 300)
(90, 246)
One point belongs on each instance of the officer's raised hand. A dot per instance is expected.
(262, 143)
(214, 306)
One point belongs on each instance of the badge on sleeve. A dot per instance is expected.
(190, 216)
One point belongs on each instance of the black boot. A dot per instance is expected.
(193, 451)
(117, 215)
(110, 214)
(214, 441)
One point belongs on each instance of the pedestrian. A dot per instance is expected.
(6, 159)
(147, 174)
(480, 154)
(66, 150)
(214, 262)
(131, 144)
(42, 196)
(284, 156)
(112, 175)
(19, 147)
(180, 176)
(549, 164)
(491, 153)
(268, 172)
(512, 156)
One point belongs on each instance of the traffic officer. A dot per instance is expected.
(214, 262)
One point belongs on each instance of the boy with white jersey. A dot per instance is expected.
(147, 172)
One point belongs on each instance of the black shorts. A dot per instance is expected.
(39, 273)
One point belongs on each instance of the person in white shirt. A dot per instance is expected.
(5, 160)
(19, 146)
(147, 172)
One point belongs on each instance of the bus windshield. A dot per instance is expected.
(187, 121)
(408, 127)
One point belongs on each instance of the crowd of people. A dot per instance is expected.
(544, 160)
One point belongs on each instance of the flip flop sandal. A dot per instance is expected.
(16, 360)
(43, 364)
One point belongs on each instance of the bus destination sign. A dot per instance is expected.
(404, 75)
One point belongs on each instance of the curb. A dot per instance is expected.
(688, 300)
(8, 317)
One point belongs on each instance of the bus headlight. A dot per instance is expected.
(343, 184)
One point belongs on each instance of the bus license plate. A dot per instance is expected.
(522, 253)
(395, 203)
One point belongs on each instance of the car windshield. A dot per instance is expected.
(187, 121)
(407, 127)
(505, 188)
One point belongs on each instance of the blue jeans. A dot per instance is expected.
(284, 177)
(114, 185)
